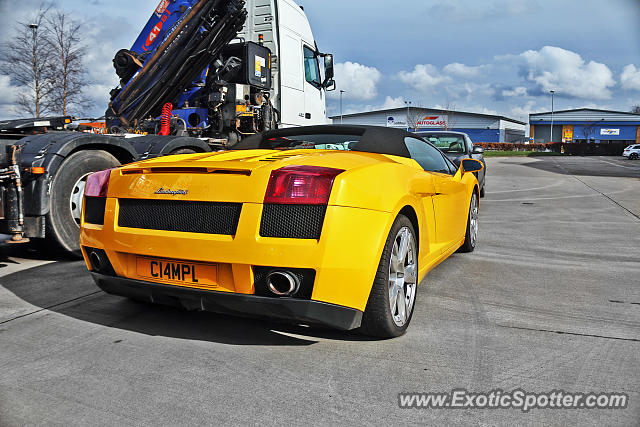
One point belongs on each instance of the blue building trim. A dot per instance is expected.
(595, 122)
(592, 130)
(483, 135)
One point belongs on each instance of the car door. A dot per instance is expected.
(292, 74)
(450, 202)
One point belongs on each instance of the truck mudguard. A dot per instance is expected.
(156, 145)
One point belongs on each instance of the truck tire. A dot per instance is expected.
(183, 151)
(67, 189)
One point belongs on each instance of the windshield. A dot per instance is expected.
(313, 142)
(451, 144)
(311, 67)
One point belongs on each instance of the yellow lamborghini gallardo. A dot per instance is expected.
(324, 225)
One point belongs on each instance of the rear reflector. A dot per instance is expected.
(301, 185)
(98, 184)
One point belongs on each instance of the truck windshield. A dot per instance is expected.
(311, 142)
(311, 67)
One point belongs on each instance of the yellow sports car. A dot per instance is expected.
(323, 225)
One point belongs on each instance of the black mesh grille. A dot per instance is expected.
(94, 210)
(173, 215)
(292, 221)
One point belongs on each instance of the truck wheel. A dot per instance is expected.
(183, 151)
(393, 295)
(67, 192)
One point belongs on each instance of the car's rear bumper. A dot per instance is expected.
(345, 258)
(290, 309)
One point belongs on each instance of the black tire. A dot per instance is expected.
(471, 235)
(183, 151)
(378, 320)
(482, 192)
(633, 156)
(62, 229)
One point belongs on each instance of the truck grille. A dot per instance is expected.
(188, 217)
(292, 221)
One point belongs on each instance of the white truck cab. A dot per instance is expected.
(299, 82)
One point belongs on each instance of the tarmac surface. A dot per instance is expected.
(550, 300)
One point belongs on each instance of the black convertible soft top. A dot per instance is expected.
(373, 139)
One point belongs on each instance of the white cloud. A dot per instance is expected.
(423, 77)
(390, 102)
(630, 77)
(473, 10)
(482, 109)
(8, 98)
(554, 68)
(522, 112)
(519, 91)
(462, 70)
(358, 80)
(468, 90)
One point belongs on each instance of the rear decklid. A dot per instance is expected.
(232, 176)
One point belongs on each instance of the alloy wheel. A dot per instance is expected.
(402, 276)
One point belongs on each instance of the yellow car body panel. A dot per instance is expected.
(364, 202)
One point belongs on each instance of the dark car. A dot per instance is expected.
(457, 146)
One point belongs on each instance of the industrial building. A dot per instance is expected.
(586, 125)
(479, 127)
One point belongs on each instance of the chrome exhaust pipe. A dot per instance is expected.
(97, 263)
(283, 283)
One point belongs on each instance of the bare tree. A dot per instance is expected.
(67, 68)
(588, 131)
(26, 59)
(414, 116)
(452, 119)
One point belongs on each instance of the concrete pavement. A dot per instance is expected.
(549, 300)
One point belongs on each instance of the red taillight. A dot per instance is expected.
(301, 185)
(98, 184)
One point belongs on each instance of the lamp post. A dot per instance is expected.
(551, 134)
(408, 104)
(34, 47)
(341, 92)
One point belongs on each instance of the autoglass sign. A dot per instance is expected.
(433, 122)
(610, 132)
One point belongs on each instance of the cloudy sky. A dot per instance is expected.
(497, 56)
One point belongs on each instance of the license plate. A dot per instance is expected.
(181, 273)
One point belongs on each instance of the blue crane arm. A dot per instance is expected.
(161, 24)
(171, 55)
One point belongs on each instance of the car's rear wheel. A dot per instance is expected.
(472, 226)
(482, 192)
(393, 295)
(633, 156)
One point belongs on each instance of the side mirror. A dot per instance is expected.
(471, 165)
(477, 150)
(329, 72)
(330, 85)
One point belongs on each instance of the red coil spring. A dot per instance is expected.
(165, 119)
